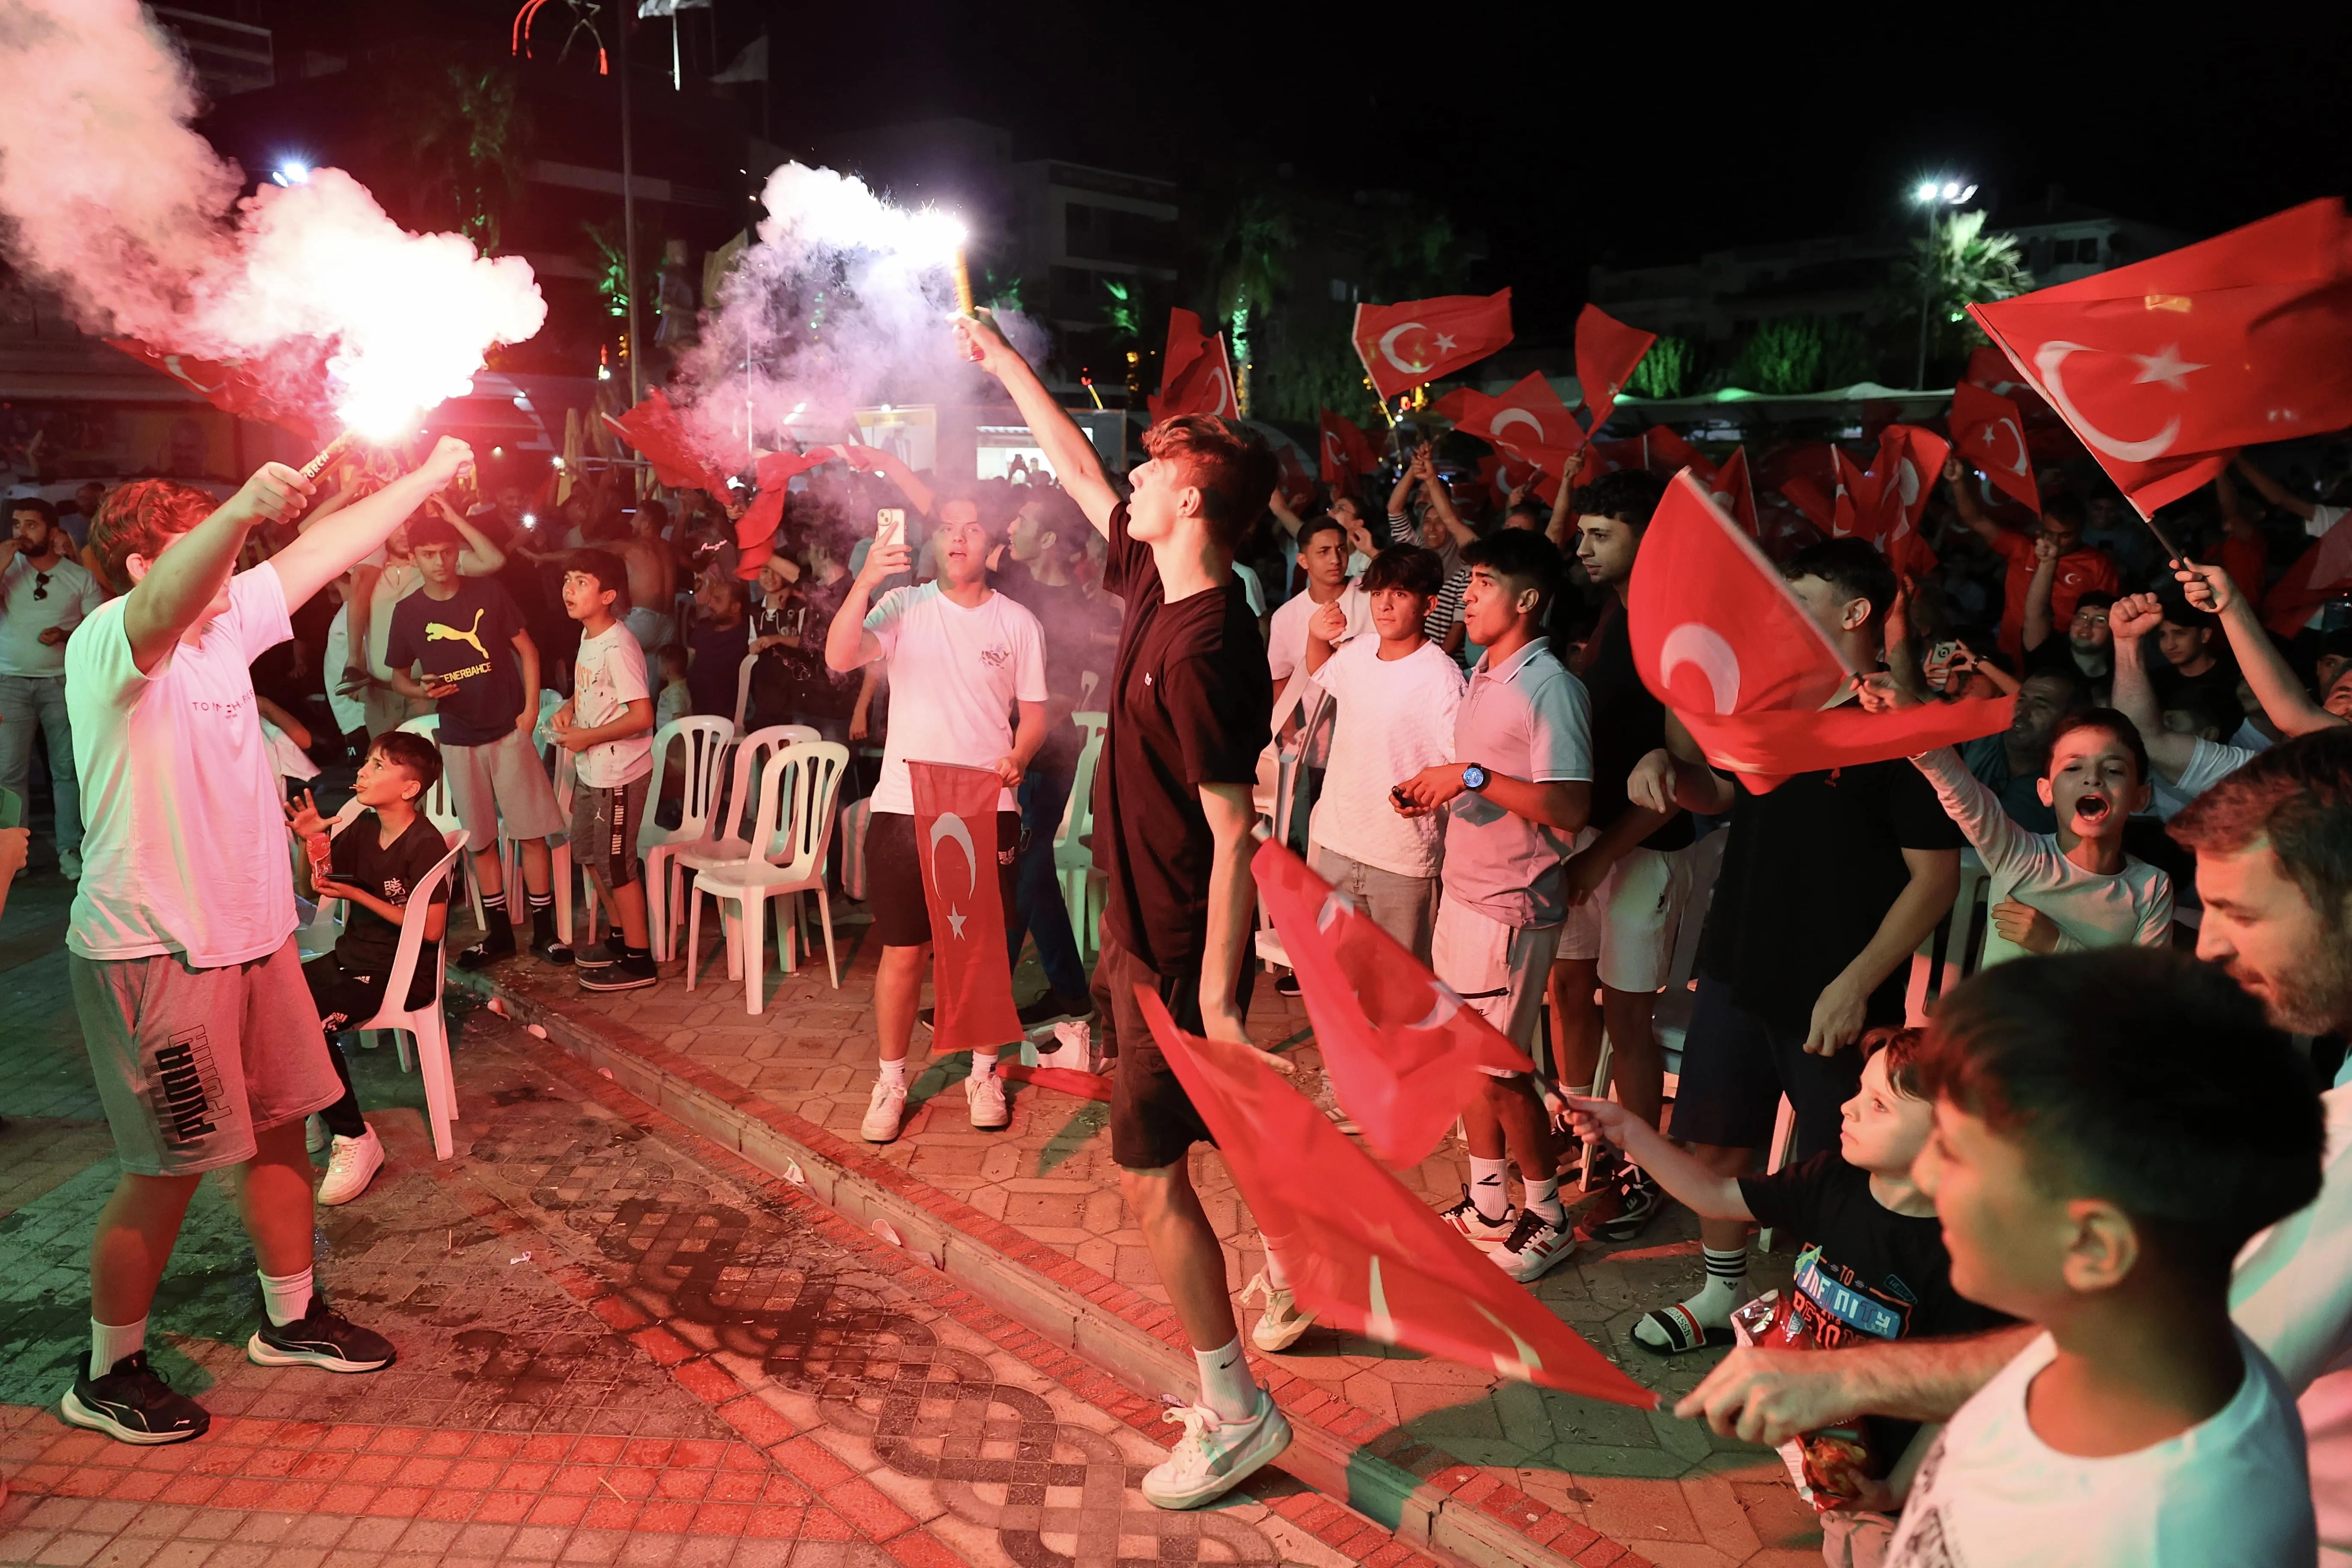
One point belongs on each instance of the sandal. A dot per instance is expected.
(1682, 1331)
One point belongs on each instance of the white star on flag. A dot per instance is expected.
(1444, 343)
(956, 918)
(2167, 367)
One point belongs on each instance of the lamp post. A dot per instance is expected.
(1933, 194)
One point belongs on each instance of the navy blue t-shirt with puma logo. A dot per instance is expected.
(465, 640)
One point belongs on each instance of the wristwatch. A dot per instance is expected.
(1473, 777)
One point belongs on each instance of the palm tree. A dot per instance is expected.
(465, 140)
(1962, 266)
(1246, 269)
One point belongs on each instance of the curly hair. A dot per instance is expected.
(139, 518)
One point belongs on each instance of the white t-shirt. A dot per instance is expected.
(1252, 589)
(607, 675)
(954, 677)
(2231, 1490)
(183, 845)
(2291, 1291)
(1286, 637)
(2211, 764)
(70, 595)
(1396, 718)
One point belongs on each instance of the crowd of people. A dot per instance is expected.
(2075, 1249)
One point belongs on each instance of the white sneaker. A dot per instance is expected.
(884, 1112)
(1073, 1047)
(1466, 1218)
(1214, 1456)
(314, 1133)
(986, 1096)
(1535, 1248)
(351, 1168)
(1281, 1324)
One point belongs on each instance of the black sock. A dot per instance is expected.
(494, 907)
(629, 952)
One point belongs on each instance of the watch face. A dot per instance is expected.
(1473, 777)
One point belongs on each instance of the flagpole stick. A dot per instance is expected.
(2173, 554)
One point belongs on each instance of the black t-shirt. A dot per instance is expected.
(816, 688)
(1810, 870)
(715, 666)
(1062, 614)
(1191, 704)
(1628, 724)
(466, 639)
(370, 942)
(1863, 1272)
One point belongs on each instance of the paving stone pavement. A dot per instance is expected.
(619, 1344)
(1667, 1487)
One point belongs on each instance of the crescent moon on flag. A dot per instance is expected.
(2048, 359)
(1333, 453)
(1224, 385)
(1388, 347)
(951, 825)
(1906, 484)
(2015, 434)
(1442, 1004)
(1705, 649)
(1510, 416)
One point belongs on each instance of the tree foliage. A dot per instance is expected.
(1668, 370)
(466, 142)
(1964, 266)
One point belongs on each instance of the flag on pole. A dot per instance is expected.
(1732, 491)
(755, 531)
(1361, 1251)
(1346, 451)
(955, 839)
(1528, 422)
(1416, 340)
(1988, 431)
(1607, 350)
(655, 429)
(1195, 377)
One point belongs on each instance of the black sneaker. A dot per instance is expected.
(1627, 1209)
(499, 943)
(1053, 1007)
(133, 1404)
(320, 1337)
(626, 972)
(1286, 983)
(548, 949)
(596, 955)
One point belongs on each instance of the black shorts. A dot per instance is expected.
(894, 876)
(1152, 1120)
(1736, 1067)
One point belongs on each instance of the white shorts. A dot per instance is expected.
(1630, 922)
(1498, 969)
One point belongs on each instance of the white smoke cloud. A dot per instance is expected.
(110, 199)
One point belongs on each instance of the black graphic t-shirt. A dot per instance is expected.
(360, 858)
(1863, 1272)
(465, 640)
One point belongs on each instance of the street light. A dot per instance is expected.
(1932, 195)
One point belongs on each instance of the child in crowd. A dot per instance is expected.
(674, 701)
(2141, 1428)
(608, 726)
(2075, 887)
(1870, 1262)
(375, 863)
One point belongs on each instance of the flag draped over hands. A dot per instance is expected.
(1607, 350)
(1403, 1051)
(955, 836)
(1417, 341)
(1361, 1251)
(1195, 375)
(2165, 367)
(1528, 422)
(653, 429)
(1988, 431)
(1346, 451)
(1718, 638)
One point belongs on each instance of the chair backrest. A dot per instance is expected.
(438, 808)
(743, 690)
(794, 822)
(752, 752)
(701, 743)
(412, 916)
(1079, 811)
(1706, 857)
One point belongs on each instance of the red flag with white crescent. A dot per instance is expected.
(1607, 350)
(1989, 432)
(1345, 452)
(1403, 1051)
(2165, 368)
(1195, 375)
(1362, 1253)
(1416, 340)
(1528, 422)
(1909, 459)
(1731, 490)
(955, 839)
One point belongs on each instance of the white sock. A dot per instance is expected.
(1726, 1287)
(984, 1064)
(1543, 1197)
(1226, 1386)
(1488, 1187)
(287, 1299)
(110, 1342)
(1276, 1277)
(894, 1073)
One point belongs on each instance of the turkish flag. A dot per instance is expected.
(1401, 1049)
(1988, 431)
(971, 978)
(1416, 340)
(755, 531)
(1667, 454)
(653, 429)
(1528, 422)
(2318, 574)
(266, 391)
(1804, 492)
(1361, 1251)
(1195, 377)
(1346, 451)
(1857, 498)
(1503, 474)
(1064, 1080)
(1895, 495)
(1718, 638)
(1607, 350)
(2165, 367)
(1731, 490)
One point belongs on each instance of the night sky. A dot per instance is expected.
(1566, 135)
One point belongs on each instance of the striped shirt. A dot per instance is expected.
(1446, 608)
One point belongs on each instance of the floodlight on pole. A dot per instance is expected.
(1932, 195)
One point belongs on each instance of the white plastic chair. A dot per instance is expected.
(727, 836)
(426, 1024)
(792, 829)
(1074, 856)
(703, 744)
(1290, 780)
(743, 690)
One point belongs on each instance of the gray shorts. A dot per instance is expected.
(502, 780)
(191, 1062)
(1404, 907)
(1498, 969)
(605, 827)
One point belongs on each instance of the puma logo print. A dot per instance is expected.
(436, 632)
